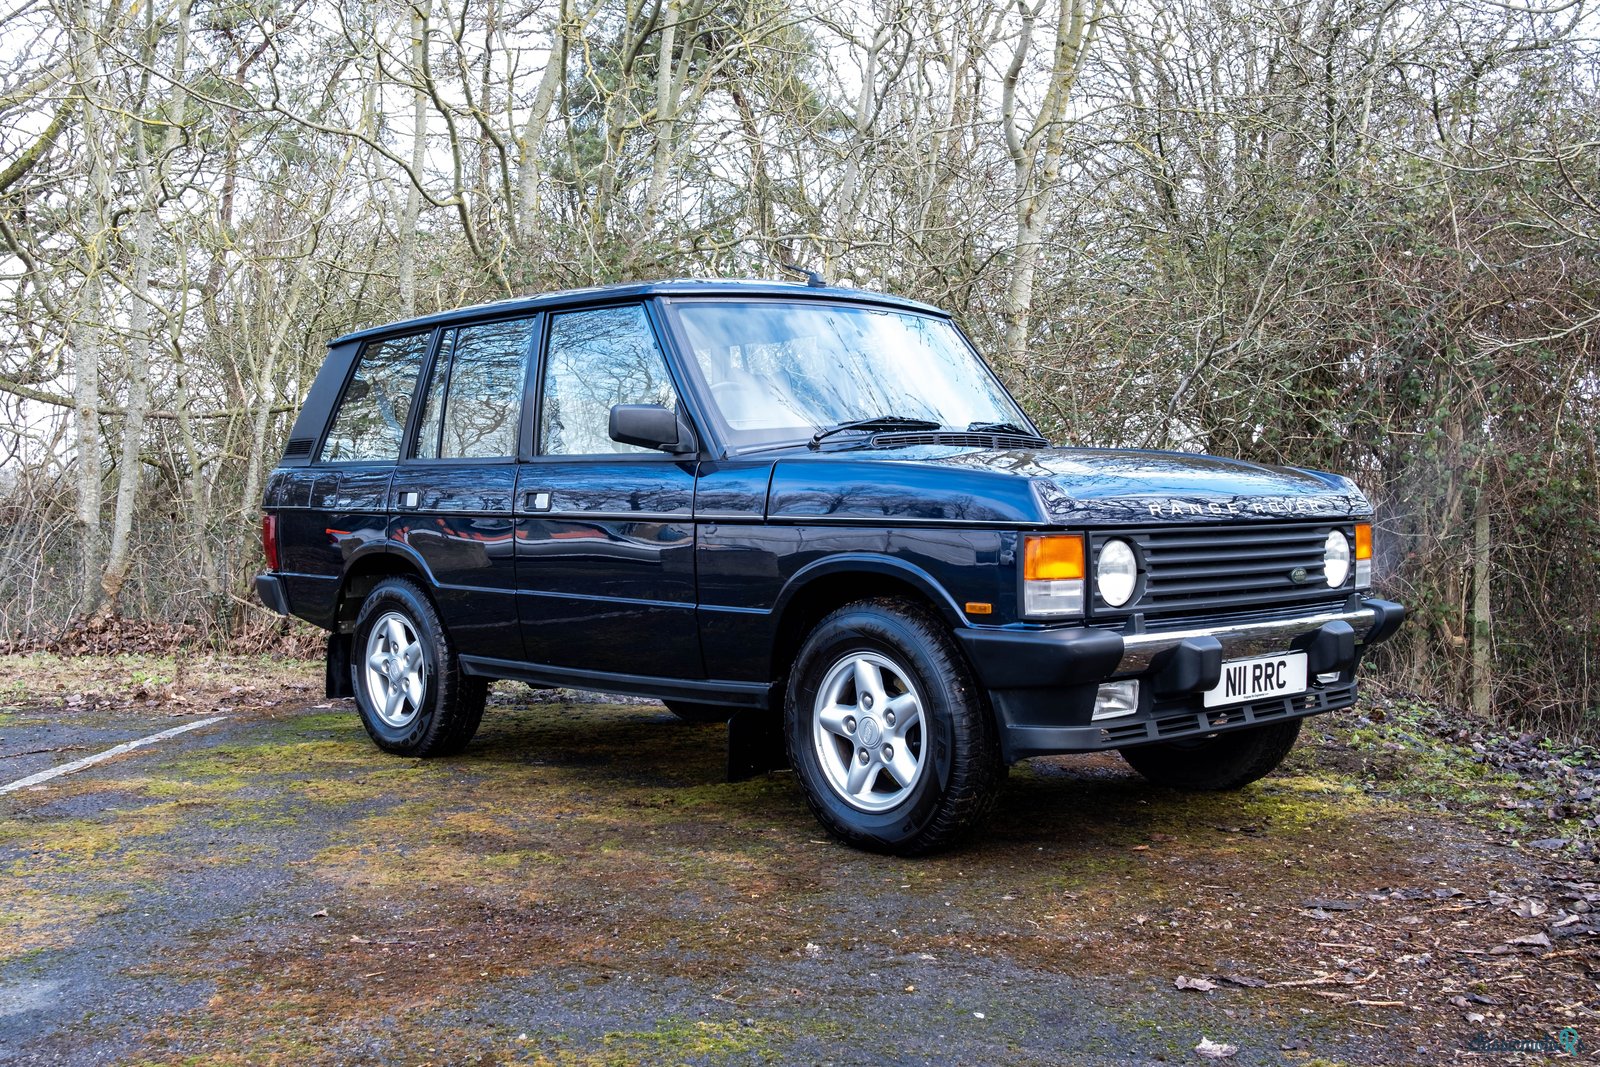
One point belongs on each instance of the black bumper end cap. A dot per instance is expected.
(1389, 617)
(1030, 659)
(270, 591)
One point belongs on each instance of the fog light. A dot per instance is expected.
(1115, 699)
(1328, 676)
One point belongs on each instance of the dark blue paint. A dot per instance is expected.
(671, 575)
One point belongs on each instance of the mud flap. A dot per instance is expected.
(336, 677)
(755, 744)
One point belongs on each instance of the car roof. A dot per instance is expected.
(639, 290)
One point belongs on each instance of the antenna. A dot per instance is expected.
(814, 279)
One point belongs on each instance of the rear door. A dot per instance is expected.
(605, 544)
(336, 509)
(452, 496)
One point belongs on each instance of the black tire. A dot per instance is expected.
(444, 717)
(953, 743)
(691, 711)
(1227, 761)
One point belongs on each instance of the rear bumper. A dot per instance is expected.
(1043, 683)
(270, 591)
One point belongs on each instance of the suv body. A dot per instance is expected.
(655, 490)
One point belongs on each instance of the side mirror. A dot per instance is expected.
(651, 426)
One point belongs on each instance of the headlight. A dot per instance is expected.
(1336, 558)
(1116, 573)
(1052, 574)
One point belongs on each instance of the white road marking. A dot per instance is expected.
(90, 761)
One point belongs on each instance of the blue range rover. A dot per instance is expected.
(816, 513)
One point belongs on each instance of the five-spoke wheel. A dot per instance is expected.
(867, 728)
(413, 696)
(396, 668)
(886, 730)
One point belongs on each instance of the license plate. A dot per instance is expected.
(1264, 676)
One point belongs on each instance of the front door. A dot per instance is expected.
(605, 531)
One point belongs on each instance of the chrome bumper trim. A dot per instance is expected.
(1241, 638)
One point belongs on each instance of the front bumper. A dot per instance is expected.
(1043, 683)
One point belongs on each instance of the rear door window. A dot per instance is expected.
(372, 414)
(474, 398)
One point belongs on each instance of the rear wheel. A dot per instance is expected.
(1212, 764)
(413, 697)
(692, 711)
(886, 731)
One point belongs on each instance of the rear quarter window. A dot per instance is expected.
(371, 418)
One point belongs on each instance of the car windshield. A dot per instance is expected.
(783, 371)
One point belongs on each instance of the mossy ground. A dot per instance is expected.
(581, 887)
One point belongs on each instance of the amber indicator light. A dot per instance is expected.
(978, 607)
(1052, 558)
(1363, 540)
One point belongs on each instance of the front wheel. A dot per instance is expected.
(886, 731)
(413, 697)
(1230, 760)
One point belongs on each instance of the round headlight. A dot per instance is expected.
(1116, 573)
(1336, 558)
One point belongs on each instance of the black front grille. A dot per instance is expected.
(1195, 569)
(959, 440)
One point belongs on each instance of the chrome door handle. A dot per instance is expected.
(409, 500)
(536, 500)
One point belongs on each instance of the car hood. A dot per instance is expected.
(1058, 486)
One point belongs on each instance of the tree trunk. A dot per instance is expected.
(86, 331)
(1482, 633)
(407, 269)
(139, 314)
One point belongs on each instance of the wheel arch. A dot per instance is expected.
(812, 593)
(366, 571)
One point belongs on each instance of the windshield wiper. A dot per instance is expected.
(1001, 427)
(880, 422)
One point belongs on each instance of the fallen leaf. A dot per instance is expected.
(1533, 940)
(1200, 984)
(320, 914)
(1530, 908)
(1215, 1050)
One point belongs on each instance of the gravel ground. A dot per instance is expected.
(581, 886)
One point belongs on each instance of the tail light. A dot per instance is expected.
(269, 540)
